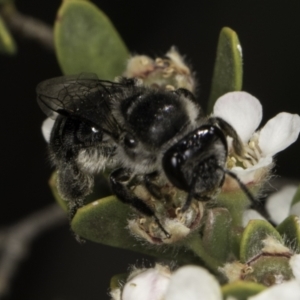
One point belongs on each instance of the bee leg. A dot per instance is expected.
(191, 97)
(118, 180)
(74, 186)
(152, 188)
(186, 93)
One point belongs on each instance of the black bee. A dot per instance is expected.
(136, 131)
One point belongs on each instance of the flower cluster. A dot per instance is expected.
(244, 113)
(201, 218)
(196, 283)
(169, 72)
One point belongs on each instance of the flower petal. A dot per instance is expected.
(295, 265)
(241, 110)
(295, 210)
(251, 214)
(288, 290)
(193, 283)
(47, 128)
(279, 132)
(255, 173)
(278, 204)
(149, 284)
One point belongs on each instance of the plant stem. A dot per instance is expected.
(15, 241)
(28, 27)
(195, 244)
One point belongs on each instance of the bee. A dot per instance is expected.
(139, 133)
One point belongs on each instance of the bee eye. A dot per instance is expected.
(129, 141)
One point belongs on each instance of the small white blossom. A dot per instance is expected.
(251, 214)
(196, 283)
(278, 205)
(47, 128)
(241, 110)
(193, 283)
(289, 290)
(244, 113)
(146, 284)
(295, 209)
(188, 282)
(295, 265)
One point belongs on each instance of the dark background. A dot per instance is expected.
(58, 267)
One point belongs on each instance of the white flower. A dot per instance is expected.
(193, 283)
(251, 214)
(278, 205)
(196, 283)
(289, 290)
(295, 265)
(244, 113)
(47, 128)
(188, 282)
(147, 284)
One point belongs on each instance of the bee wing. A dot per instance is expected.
(81, 96)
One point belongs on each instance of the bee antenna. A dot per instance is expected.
(240, 183)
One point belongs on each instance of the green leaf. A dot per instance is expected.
(101, 189)
(289, 229)
(86, 41)
(236, 202)
(236, 236)
(216, 233)
(6, 1)
(105, 221)
(228, 69)
(195, 243)
(7, 43)
(52, 183)
(252, 240)
(241, 290)
(267, 269)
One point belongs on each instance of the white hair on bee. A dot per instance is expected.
(94, 160)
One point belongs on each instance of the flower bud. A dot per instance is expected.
(147, 284)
